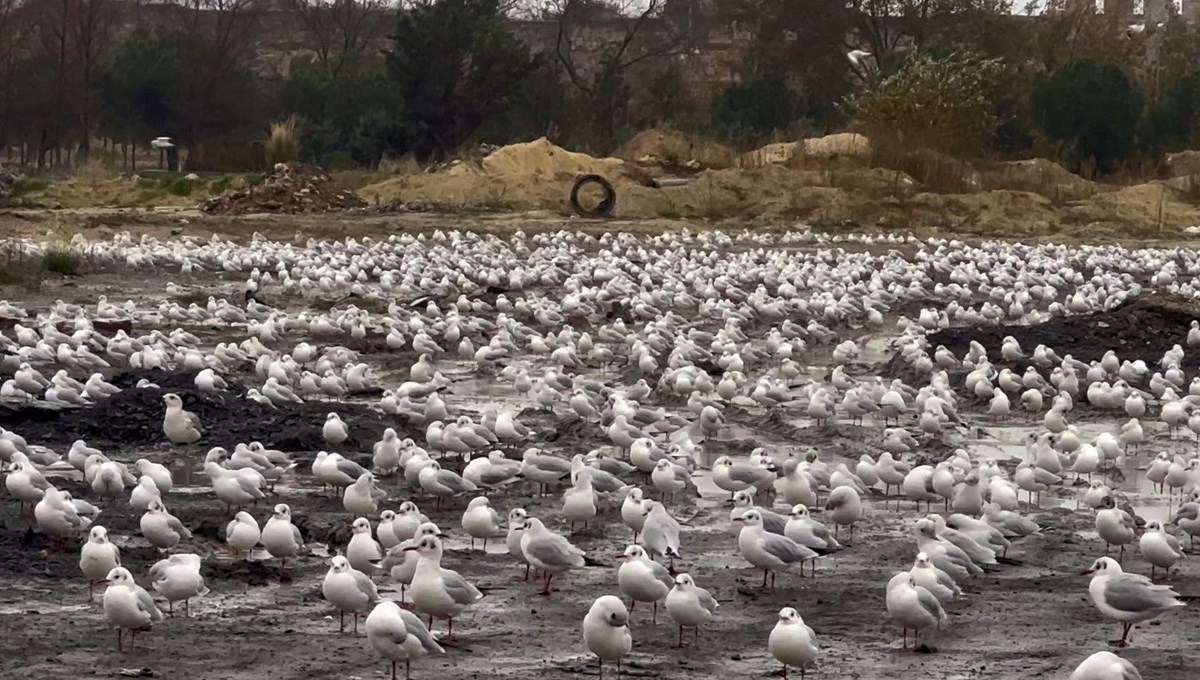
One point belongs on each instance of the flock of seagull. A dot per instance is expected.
(594, 329)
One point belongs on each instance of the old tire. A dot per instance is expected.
(605, 207)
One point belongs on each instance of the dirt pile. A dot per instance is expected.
(1039, 176)
(844, 147)
(7, 179)
(676, 151)
(291, 188)
(1144, 329)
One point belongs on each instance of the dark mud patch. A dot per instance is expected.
(1144, 328)
(133, 418)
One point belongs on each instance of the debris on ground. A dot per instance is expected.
(291, 188)
(8, 178)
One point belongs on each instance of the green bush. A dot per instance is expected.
(178, 186)
(61, 261)
(941, 104)
(28, 185)
(755, 108)
(1093, 109)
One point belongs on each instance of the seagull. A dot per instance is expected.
(606, 631)
(792, 642)
(436, 591)
(242, 533)
(767, 551)
(178, 578)
(180, 426)
(348, 590)
(912, 606)
(1128, 598)
(127, 606)
(480, 521)
(690, 606)
(280, 537)
(549, 552)
(399, 635)
(98, 557)
(162, 529)
(1105, 666)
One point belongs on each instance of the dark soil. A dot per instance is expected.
(1142, 329)
(133, 418)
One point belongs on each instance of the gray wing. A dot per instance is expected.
(458, 588)
(350, 468)
(786, 549)
(38, 482)
(453, 482)
(1129, 671)
(661, 574)
(1127, 520)
(1135, 593)
(415, 627)
(706, 600)
(1173, 543)
(746, 474)
(250, 486)
(555, 551)
(366, 586)
(177, 526)
(552, 464)
(193, 420)
(492, 477)
(146, 604)
(296, 536)
(773, 522)
(1187, 511)
(930, 603)
(229, 529)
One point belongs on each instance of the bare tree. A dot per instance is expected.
(599, 41)
(890, 26)
(90, 37)
(342, 30)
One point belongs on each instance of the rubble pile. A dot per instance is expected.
(290, 189)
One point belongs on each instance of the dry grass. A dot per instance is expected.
(94, 171)
(405, 165)
(283, 144)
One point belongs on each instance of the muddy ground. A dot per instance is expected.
(1030, 620)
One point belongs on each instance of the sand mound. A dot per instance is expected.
(1039, 176)
(1183, 163)
(671, 149)
(840, 145)
(844, 147)
(1144, 209)
(541, 158)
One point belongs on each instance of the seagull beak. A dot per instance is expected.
(1086, 572)
(738, 519)
(443, 535)
(411, 548)
(729, 502)
(620, 557)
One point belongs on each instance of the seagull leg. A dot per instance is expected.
(356, 623)
(904, 644)
(407, 669)
(680, 645)
(187, 611)
(119, 640)
(342, 621)
(450, 628)
(170, 610)
(393, 669)
(785, 671)
(765, 572)
(526, 575)
(654, 616)
(696, 636)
